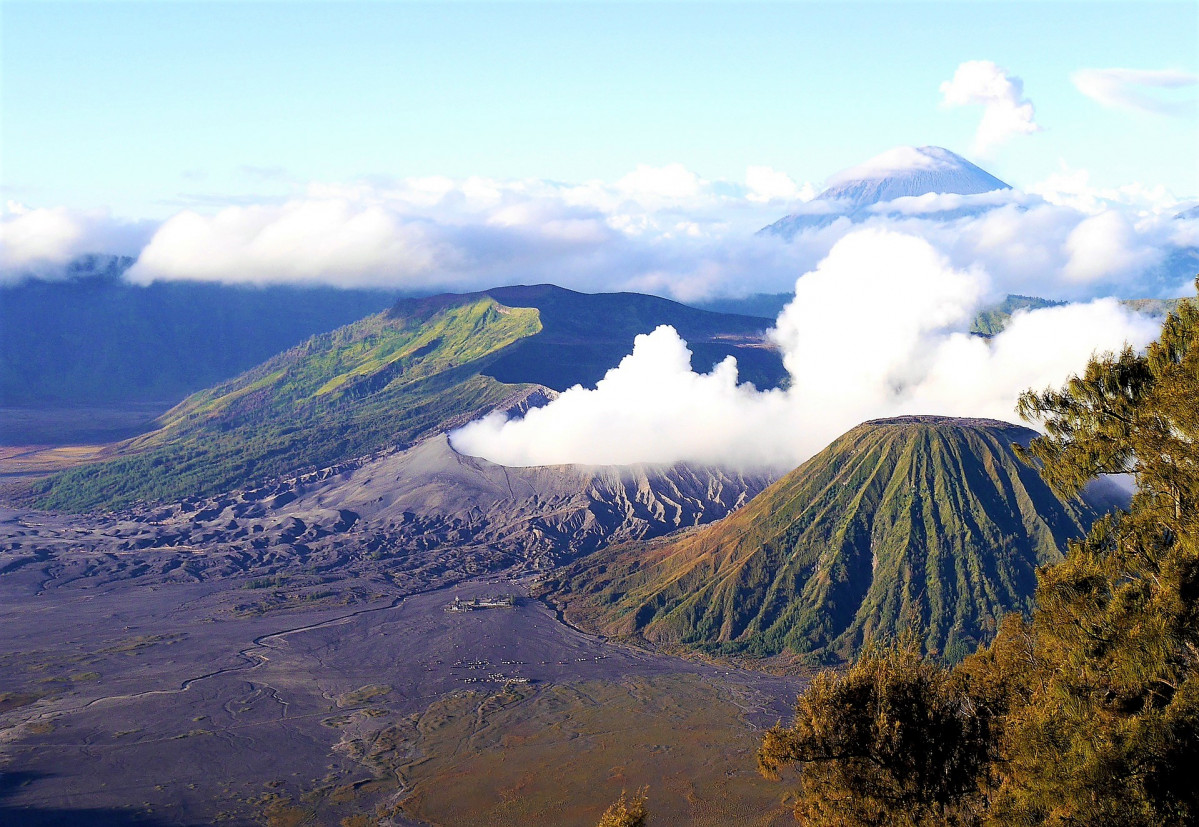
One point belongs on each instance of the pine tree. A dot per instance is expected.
(893, 741)
(1103, 715)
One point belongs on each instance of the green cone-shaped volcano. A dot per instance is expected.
(928, 521)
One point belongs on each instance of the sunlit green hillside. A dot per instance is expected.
(919, 520)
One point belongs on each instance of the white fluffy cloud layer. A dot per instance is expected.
(1140, 90)
(1006, 112)
(658, 229)
(1032, 246)
(662, 230)
(40, 241)
(876, 329)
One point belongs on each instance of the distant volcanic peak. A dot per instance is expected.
(902, 160)
(909, 171)
(903, 172)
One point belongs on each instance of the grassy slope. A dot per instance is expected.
(382, 381)
(902, 520)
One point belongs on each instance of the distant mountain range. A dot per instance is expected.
(988, 322)
(93, 338)
(424, 366)
(923, 522)
(899, 173)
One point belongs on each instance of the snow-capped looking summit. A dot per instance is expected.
(897, 173)
(906, 171)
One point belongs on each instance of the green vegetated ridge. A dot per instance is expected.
(993, 320)
(384, 380)
(917, 520)
(989, 321)
(389, 379)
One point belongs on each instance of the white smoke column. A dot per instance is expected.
(1006, 112)
(864, 326)
(877, 329)
(651, 408)
(1038, 349)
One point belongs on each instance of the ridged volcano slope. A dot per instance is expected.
(917, 519)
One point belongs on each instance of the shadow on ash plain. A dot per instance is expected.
(142, 700)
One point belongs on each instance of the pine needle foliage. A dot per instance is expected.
(893, 741)
(1104, 704)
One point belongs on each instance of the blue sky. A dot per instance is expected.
(146, 108)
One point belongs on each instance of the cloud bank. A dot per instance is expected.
(663, 230)
(1006, 112)
(39, 242)
(877, 329)
(1138, 90)
(657, 229)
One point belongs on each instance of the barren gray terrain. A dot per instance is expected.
(283, 655)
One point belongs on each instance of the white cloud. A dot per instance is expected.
(1006, 112)
(1026, 244)
(877, 329)
(765, 184)
(38, 242)
(1106, 246)
(932, 203)
(1072, 188)
(301, 241)
(681, 236)
(655, 185)
(1138, 89)
(31, 236)
(662, 229)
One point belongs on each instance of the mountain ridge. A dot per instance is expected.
(427, 364)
